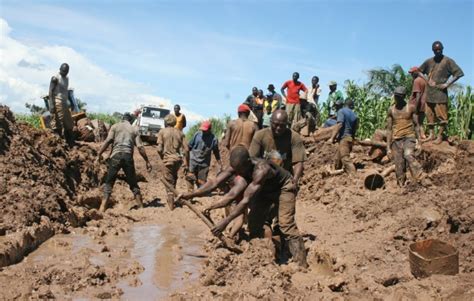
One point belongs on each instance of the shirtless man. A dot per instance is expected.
(241, 130)
(274, 187)
(403, 136)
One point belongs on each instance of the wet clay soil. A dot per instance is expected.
(357, 240)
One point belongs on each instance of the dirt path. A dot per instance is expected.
(357, 239)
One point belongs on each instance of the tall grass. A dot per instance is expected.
(461, 109)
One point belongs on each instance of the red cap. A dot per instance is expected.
(205, 125)
(243, 108)
(414, 69)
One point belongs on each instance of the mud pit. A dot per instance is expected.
(357, 239)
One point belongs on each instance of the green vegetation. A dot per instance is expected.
(373, 98)
(218, 127)
(31, 119)
(107, 118)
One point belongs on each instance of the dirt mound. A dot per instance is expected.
(40, 176)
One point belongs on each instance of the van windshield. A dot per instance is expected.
(155, 113)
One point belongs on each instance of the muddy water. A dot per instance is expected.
(171, 257)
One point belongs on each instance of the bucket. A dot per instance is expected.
(432, 256)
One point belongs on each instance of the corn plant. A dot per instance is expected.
(461, 107)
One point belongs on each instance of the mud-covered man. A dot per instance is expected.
(403, 137)
(172, 147)
(344, 133)
(61, 122)
(274, 187)
(281, 145)
(241, 130)
(124, 138)
(440, 72)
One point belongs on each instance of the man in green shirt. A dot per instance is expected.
(440, 72)
(334, 96)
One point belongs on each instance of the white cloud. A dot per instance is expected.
(25, 71)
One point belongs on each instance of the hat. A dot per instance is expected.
(170, 120)
(243, 108)
(414, 69)
(270, 86)
(205, 125)
(400, 91)
(332, 83)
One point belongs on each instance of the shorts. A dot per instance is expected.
(436, 111)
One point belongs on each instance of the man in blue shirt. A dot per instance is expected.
(344, 133)
(201, 146)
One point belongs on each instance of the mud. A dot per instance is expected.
(357, 239)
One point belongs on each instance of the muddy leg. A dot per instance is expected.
(441, 132)
(399, 160)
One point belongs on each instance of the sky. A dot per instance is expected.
(207, 55)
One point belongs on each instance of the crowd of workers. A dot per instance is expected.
(266, 151)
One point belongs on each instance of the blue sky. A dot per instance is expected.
(207, 55)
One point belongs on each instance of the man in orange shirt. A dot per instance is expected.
(293, 87)
(180, 118)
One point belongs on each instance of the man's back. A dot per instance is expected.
(125, 137)
(172, 141)
(241, 133)
(348, 119)
(201, 147)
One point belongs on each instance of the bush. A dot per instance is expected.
(107, 118)
(461, 107)
(31, 119)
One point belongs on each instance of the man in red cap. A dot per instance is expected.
(241, 130)
(201, 146)
(418, 97)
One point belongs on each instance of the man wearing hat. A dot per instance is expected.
(201, 146)
(172, 146)
(418, 97)
(403, 137)
(276, 99)
(334, 96)
(124, 138)
(440, 72)
(344, 133)
(241, 130)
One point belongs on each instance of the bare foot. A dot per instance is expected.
(429, 138)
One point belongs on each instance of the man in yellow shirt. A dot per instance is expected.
(180, 118)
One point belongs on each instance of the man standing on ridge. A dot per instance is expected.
(180, 118)
(403, 137)
(61, 121)
(440, 72)
(293, 86)
(334, 96)
(124, 138)
(418, 97)
(172, 147)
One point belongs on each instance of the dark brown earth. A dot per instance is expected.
(357, 239)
